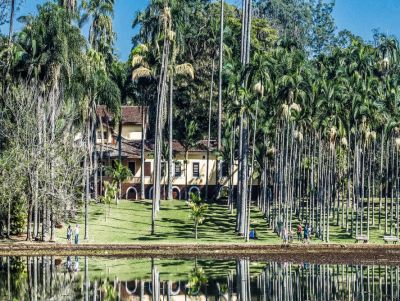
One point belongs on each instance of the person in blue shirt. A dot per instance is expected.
(253, 234)
(306, 233)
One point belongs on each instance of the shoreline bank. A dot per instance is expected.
(318, 253)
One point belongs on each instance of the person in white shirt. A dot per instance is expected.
(77, 234)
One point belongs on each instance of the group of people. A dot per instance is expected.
(72, 267)
(75, 233)
(303, 234)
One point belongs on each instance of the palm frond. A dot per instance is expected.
(141, 72)
(185, 70)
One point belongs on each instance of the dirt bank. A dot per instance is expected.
(329, 253)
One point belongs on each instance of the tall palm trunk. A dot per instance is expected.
(95, 159)
(87, 181)
(10, 34)
(9, 218)
(119, 139)
(251, 173)
(245, 59)
(142, 159)
(170, 146)
(209, 133)
(244, 177)
(369, 162)
(397, 192)
(88, 165)
(101, 156)
(221, 62)
(387, 183)
(11, 21)
(161, 95)
(238, 190)
(186, 175)
(381, 180)
(36, 220)
(52, 168)
(231, 167)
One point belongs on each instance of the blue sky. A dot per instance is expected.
(359, 16)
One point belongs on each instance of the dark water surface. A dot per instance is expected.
(95, 278)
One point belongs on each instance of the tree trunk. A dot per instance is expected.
(10, 34)
(9, 218)
(142, 159)
(95, 162)
(245, 59)
(170, 138)
(244, 178)
(221, 61)
(186, 175)
(381, 181)
(161, 95)
(87, 182)
(251, 174)
(209, 134)
(29, 211)
(52, 168)
(120, 141)
(86, 278)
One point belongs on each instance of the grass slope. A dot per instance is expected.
(130, 222)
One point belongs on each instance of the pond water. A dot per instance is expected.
(96, 278)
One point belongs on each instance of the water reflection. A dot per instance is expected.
(83, 278)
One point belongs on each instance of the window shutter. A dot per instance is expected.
(147, 169)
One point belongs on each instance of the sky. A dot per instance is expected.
(358, 16)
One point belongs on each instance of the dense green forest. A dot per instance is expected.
(309, 113)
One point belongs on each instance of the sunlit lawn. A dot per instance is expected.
(130, 222)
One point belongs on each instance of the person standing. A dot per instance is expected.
(76, 264)
(306, 234)
(299, 232)
(77, 234)
(69, 264)
(285, 235)
(69, 234)
(253, 233)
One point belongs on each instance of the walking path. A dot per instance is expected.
(318, 253)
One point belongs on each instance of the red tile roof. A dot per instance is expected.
(129, 114)
(132, 149)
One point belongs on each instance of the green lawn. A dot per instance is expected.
(130, 222)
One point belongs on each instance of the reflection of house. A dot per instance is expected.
(195, 169)
(141, 290)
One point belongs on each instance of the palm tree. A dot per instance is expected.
(101, 38)
(101, 35)
(69, 5)
(198, 210)
(119, 173)
(167, 36)
(100, 87)
(141, 71)
(161, 36)
(51, 55)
